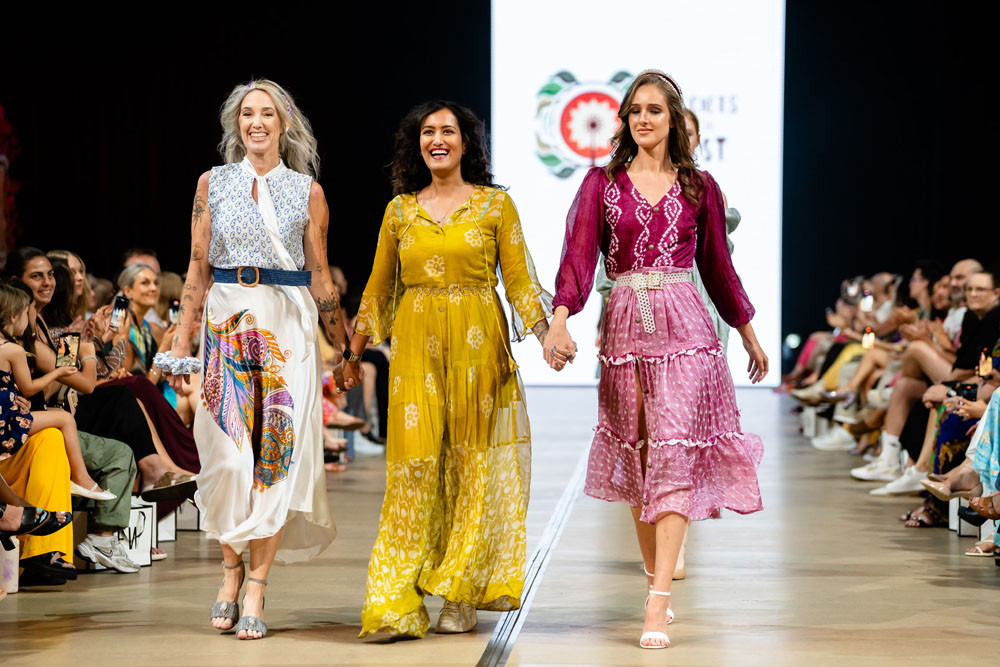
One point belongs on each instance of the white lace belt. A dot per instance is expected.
(641, 283)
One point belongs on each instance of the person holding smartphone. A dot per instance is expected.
(259, 227)
(668, 439)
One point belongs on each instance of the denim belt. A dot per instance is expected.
(251, 276)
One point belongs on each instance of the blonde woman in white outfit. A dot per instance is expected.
(259, 230)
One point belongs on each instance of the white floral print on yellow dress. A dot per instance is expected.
(458, 450)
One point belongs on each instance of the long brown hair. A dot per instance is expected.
(678, 147)
(80, 304)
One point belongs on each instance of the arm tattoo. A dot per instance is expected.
(540, 329)
(329, 308)
(196, 210)
(197, 254)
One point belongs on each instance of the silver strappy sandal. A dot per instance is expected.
(225, 608)
(252, 623)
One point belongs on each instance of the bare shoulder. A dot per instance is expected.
(203, 180)
(316, 192)
(9, 350)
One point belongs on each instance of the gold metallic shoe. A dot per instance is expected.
(456, 617)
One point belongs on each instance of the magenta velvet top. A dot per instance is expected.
(611, 217)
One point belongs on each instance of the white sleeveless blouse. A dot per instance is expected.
(239, 237)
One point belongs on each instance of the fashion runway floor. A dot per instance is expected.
(825, 575)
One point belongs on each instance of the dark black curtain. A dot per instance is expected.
(116, 127)
(888, 146)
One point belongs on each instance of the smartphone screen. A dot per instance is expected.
(69, 349)
(175, 312)
(118, 312)
(985, 368)
(868, 338)
(867, 302)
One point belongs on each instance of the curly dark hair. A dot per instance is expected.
(410, 173)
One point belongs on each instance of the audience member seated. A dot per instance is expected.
(923, 391)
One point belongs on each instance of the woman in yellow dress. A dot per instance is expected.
(458, 455)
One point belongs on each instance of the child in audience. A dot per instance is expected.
(15, 378)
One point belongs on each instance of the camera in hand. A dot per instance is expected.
(985, 367)
(868, 338)
(867, 303)
(174, 314)
(118, 312)
(69, 349)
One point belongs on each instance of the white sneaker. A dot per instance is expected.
(837, 439)
(367, 447)
(908, 482)
(111, 554)
(882, 469)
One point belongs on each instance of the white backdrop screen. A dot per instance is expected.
(559, 71)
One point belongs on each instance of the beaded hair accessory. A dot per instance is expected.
(666, 77)
(260, 85)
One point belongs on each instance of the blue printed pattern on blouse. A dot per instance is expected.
(239, 237)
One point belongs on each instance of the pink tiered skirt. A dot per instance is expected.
(698, 459)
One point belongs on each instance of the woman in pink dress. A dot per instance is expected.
(668, 440)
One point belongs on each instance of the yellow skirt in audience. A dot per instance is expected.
(831, 378)
(39, 473)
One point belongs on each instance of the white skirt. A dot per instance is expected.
(261, 384)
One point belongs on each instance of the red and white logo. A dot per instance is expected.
(575, 121)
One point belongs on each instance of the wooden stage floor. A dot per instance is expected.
(825, 575)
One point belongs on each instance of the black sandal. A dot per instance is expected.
(34, 521)
(44, 565)
(30, 579)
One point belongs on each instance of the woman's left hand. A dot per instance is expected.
(967, 409)
(757, 367)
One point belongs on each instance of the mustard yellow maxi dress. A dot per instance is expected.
(458, 454)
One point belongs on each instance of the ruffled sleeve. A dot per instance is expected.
(384, 289)
(582, 244)
(529, 302)
(714, 263)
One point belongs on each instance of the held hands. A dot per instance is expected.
(347, 375)
(558, 347)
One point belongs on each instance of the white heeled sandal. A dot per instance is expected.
(656, 635)
(670, 612)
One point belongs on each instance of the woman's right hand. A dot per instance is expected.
(63, 371)
(180, 347)
(558, 347)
